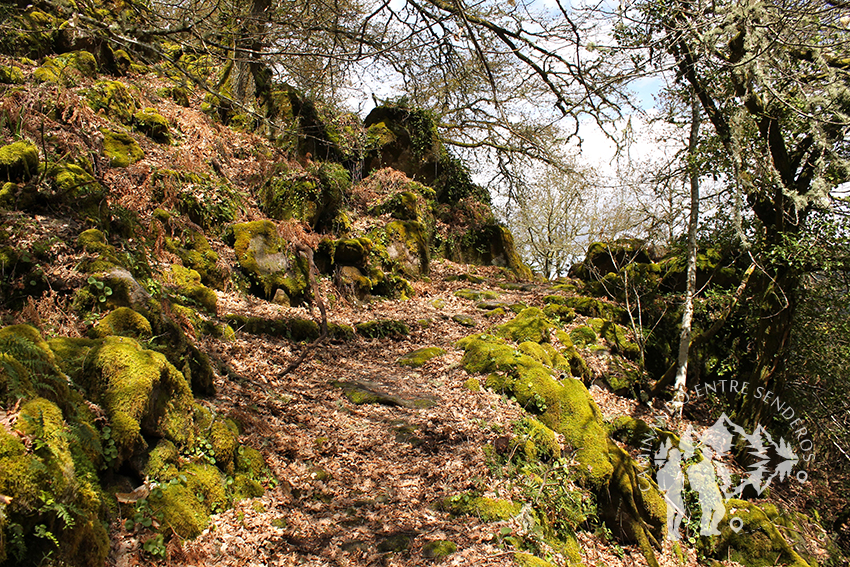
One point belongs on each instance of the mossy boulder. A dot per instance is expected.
(142, 393)
(748, 536)
(18, 161)
(121, 148)
(11, 75)
(114, 99)
(615, 335)
(528, 560)
(609, 257)
(263, 257)
(382, 328)
(313, 195)
(71, 184)
(181, 510)
(631, 504)
(153, 125)
(476, 295)
(530, 324)
(65, 69)
(404, 205)
(186, 282)
(486, 509)
(583, 336)
(194, 250)
(57, 471)
(208, 201)
(438, 549)
(125, 322)
(420, 356)
(487, 245)
(406, 247)
(535, 442)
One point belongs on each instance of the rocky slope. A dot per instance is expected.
(300, 338)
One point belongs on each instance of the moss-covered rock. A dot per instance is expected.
(615, 335)
(475, 295)
(66, 68)
(535, 442)
(313, 195)
(125, 322)
(186, 282)
(194, 250)
(11, 75)
(629, 501)
(528, 560)
(382, 328)
(18, 161)
(592, 307)
(420, 356)
(748, 536)
(152, 124)
(263, 257)
(407, 247)
(487, 509)
(438, 549)
(121, 148)
(530, 324)
(181, 510)
(114, 99)
(141, 392)
(583, 336)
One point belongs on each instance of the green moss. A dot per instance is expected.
(141, 392)
(125, 322)
(11, 75)
(420, 356)
(758, 542)
(583, 336)
(245, 487)
(565, 407)
(535, 441)
(595, 308)
(529, 325)
(487, 509)
(474, 295)
(464, 320)
(262, 256)
(18, 161)
(382, 328)
(181, 510)
(537, 352)
(207, 483)
(616, 337)
(472, 384)
(250, 462)
(407, 247)
(313, 196)
(438, 549)
(65, 68)
(113, 98)
(187, 283)
(224, 436)
(121, 148)
(162, 461)
(152, 124)
(528, 560)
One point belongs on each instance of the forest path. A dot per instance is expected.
(358, 482)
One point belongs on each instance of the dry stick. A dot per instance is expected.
(317, 295)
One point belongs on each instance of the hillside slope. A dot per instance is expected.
(212, 333)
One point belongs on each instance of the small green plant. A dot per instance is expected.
(100, 290)
(107, 443)
(155, 546)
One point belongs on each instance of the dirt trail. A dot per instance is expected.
(358, 482)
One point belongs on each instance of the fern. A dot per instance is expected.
(26, 367)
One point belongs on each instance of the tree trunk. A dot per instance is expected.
(693, 222)
(249, 44)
